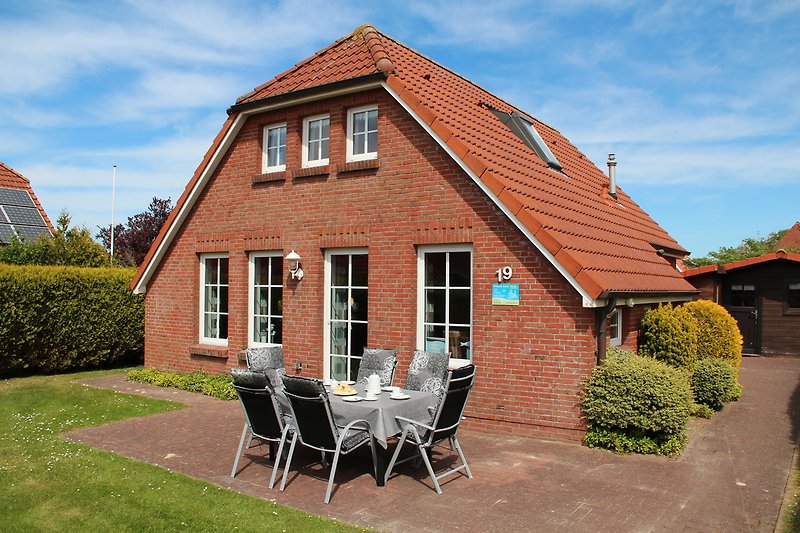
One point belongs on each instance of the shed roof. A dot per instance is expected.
(602, 245)
(727, 267)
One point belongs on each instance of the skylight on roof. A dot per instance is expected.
(535, 141)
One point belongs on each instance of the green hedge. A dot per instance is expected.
(714, 383)
(718, 335)
(55, 318)
(637, 404)
(669, 334)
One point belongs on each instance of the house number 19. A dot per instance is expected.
(504, 274)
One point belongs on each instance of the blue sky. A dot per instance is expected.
(699, 100)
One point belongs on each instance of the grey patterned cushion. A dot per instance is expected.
(377, 361)
(249, 378)
(263, 358)
(307, 387)
(427, 371)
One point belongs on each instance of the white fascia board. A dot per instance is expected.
(222, 149)
(587, 300)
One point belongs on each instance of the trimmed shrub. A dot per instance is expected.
(669, 334)
(637, 404)
(55, 318)
(216, 385)
(718, 335)
(702, 411)
(714, 383)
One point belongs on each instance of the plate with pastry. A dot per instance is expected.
(344, 390)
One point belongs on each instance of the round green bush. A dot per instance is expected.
(714, 383)
(718, 335)
(669, 334)
(632, 401)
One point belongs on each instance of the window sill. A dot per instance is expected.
(268, 177)
(207, 350)
(354, 166)
(322, 170)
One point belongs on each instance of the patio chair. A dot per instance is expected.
(377, 361)
(315, 428)
(427, 371)
(262, 361)
(446, 420)
(263, 419)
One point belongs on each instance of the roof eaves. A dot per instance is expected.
(343, 86)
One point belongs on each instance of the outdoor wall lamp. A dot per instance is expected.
(293, 260)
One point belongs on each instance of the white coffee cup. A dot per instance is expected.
(398, 393)
(371, 396)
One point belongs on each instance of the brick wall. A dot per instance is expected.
(531, 358)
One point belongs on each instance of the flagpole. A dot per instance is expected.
(113, 200)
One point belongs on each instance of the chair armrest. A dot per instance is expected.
(414, 422)
(353, 425)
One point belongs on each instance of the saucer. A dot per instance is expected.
(368, 399)
(353, 399)
(399, 396)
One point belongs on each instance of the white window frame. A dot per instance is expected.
(326, 334)
(317, 162)
(265, 167)
(350, 133)
(251, 297)
(421, 251)
(203, 338)
(615, 330)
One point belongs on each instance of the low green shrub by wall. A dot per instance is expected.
(714, 383)
(637, 404)
(216, 385)
(55, 318)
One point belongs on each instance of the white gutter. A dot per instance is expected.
(588, 301)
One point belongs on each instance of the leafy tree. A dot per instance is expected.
(67, 246)
(747, 249)
(133, 240)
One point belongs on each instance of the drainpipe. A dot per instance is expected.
(602, 321)
(612, 176)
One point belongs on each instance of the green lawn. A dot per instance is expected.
(48, 483)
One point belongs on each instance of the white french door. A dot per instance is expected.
(346, 311)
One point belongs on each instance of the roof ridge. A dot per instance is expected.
(372, 38)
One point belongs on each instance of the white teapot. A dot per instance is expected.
(374, 384)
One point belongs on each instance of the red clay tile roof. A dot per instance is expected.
(605, 245)
(790, 239)
(722, 268)
(11, 179)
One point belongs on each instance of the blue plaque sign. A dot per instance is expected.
(505, 294)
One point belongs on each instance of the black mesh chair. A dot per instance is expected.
(377, 361)
(446, 420)
(315, 428)
(263, 419)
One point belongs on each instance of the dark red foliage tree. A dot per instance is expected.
(133, 240)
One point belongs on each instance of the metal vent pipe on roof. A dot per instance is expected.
(612, 175)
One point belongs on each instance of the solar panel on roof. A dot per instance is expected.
(31, 232)
(6, 233)
(15, 197)
(3, 217)
(29, 216)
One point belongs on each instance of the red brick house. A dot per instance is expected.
(21, 213)
(427, 214)
(763, 295)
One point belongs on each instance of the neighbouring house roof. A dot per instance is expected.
(21, 213)
(727, 267)
(790, 239)
(602, 245)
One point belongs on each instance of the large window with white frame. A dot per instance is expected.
(615, 327)
(316, 140)
(362, 133)
(266, 298)
(214, 299)
(346, 311)
(444, 316)
(274, 148)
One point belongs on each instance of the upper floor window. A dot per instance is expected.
(274, 148)
(316, 140)
(362, 133)
(214, 299)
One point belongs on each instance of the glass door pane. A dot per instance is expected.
(348, 312)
